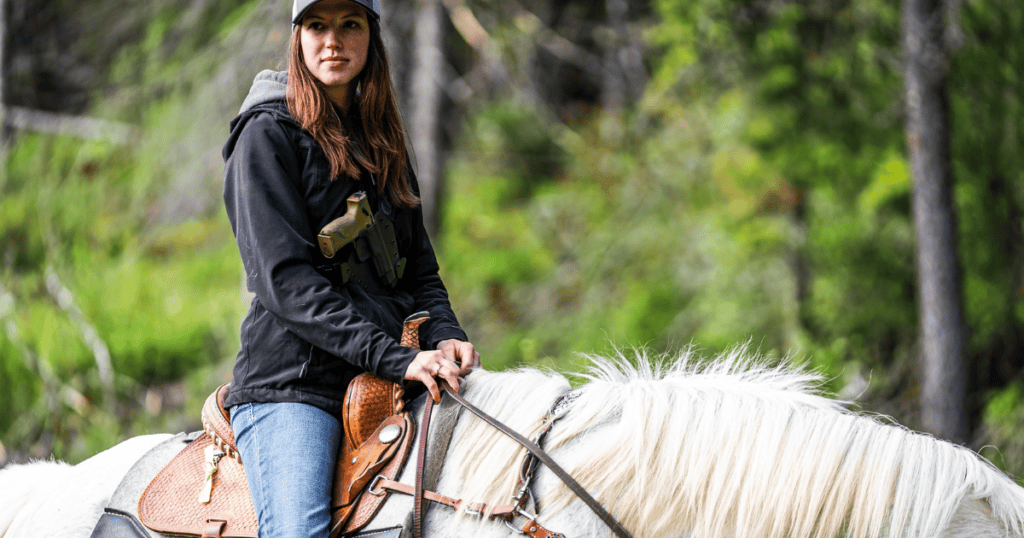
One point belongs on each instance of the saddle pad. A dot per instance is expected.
(117, 524)
(126, 496)
(393, 532)
(171, 504)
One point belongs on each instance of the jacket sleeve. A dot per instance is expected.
(425, 285)
(269, 217)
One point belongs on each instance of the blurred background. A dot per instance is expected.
(598, 175)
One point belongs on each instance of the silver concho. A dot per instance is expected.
(389, 434)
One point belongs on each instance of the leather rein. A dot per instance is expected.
(506, 512)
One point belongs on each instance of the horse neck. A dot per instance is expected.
(728, 449)
(621, 438)
(482, 464)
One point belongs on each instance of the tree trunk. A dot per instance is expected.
(613, 91)
(4, 133)
(943, 330)
(624, 75)
(425, 132)
(396, 25)
(801, 264)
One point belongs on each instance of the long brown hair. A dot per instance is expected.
(379, 146)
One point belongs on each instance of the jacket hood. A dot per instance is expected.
(268, 86)
(268, 94)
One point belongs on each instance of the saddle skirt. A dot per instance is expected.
(203, 490)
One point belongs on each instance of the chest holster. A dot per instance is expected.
(365, 247)
(373, 260)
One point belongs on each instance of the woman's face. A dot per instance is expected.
(335, 37)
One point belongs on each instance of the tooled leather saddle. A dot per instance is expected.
(203, 490)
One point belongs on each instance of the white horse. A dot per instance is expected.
(727, 449)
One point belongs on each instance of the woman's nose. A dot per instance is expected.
(332, 39)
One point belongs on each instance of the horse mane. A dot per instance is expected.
(723, 448)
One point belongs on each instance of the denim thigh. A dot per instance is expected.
(289, 452)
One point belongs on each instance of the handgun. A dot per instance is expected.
(344, 229)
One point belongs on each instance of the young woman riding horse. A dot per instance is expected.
(303, 143)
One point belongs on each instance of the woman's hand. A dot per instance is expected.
(451, 359)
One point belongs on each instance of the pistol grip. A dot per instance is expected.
(332, 237)
(344, 229)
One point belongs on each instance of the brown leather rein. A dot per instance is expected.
(537, 452)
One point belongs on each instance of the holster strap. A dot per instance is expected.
(352, 269)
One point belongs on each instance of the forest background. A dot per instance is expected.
(599, 176)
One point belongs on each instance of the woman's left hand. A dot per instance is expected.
(451, 360)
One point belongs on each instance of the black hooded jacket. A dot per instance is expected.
(305, 335)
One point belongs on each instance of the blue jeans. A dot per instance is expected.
(289, 452)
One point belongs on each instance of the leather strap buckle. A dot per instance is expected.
(374, 488)
(510, 521)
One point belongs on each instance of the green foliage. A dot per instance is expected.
(758, 193)
(18, 381)
(163, 300)
(158, 48)
(626, 248)
(162, 292)
(189, 294)
(1004, 420)
(823, 79)
(520, 144)
(986, 104)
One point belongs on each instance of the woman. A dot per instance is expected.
(302, 144)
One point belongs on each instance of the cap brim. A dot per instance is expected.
(368, 6)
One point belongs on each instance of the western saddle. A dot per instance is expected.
(203, 490)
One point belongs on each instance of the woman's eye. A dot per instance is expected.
(317, 26)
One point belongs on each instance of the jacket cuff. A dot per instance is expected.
(393, 369)
(444, 333)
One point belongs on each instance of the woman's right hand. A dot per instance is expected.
(430, 364)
